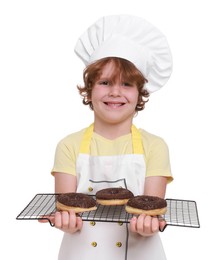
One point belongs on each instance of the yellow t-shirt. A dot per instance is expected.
(156, 154)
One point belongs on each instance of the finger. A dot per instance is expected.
(155, 225)
(58, 220)
(141, 223)
(162, 225)
(147, 225)
(43, 220)
(72, 219)
(65, 219)
(133, 223)
(79, 223)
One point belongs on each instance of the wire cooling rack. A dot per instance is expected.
(179, 212)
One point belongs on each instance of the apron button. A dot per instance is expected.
(92, 223)
(118, 244)
(90, 189)
(94, 244)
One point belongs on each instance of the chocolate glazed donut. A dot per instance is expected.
(79, 202)
(149, 205)
(113, 196)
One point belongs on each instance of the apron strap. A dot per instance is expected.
(136, 140)
(86, 140)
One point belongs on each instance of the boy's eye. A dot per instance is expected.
(104, 82)
(127, 84)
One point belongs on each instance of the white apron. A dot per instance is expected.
(106, 241)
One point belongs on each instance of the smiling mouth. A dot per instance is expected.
(114, 105)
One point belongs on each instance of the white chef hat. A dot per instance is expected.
(131, 38)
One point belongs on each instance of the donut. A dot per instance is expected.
(149, 205)
(79, 202)
(113, 196)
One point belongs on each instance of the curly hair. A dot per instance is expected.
(123, 67)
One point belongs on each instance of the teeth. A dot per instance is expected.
(114, 104)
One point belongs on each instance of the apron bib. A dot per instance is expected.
(100, 240)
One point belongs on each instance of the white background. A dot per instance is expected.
(39, 105)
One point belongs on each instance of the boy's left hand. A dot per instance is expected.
(146, 225)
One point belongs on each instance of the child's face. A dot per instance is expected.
(114, 101)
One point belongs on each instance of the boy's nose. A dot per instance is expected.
(115, 90)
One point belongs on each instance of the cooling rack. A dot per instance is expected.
(179, 212)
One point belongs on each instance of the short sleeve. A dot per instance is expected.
(156, 155)
(65, 159)
(158, 162)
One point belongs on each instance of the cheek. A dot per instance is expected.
(98, 92)
(134, 96)
(95, 95)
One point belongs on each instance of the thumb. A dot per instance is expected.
(162, 225)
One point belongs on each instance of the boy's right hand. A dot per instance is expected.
(68, 222)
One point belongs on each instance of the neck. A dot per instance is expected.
(112, 131)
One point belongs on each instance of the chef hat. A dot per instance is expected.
(131, 38)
